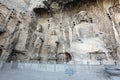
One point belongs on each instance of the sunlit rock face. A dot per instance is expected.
(60, 31)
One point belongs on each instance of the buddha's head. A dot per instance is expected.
(83, 16)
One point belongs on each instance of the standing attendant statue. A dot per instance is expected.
(37, 42)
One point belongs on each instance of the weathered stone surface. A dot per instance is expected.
(58, 31)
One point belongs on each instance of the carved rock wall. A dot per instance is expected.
(66, 32)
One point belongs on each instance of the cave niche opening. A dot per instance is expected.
(42, 12)
(64, 57)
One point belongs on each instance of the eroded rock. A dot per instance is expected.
(59, 31)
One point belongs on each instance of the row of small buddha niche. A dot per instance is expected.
(4, 20)
(83, 27)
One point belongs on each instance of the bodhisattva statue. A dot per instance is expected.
(37, 42)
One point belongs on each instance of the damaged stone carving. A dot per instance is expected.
(84, 28)
(37, 40)
(2, 20)
(52, 54)
(11, 42)
(60, 31)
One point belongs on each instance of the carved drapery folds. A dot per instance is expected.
(2, 21)
(36, 42)
(114, 13)
(11, 42)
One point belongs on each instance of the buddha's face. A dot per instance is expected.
(83, 13)
(83, 16)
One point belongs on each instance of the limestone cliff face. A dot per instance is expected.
(58, 31)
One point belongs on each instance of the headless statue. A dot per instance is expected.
(11, 42)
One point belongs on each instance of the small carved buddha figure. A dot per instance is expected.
(53, 33)
(37, 41)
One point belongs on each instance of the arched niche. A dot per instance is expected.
(64, 57)
(42, 12)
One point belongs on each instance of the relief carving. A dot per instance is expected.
(2, 20)
(37, 40)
